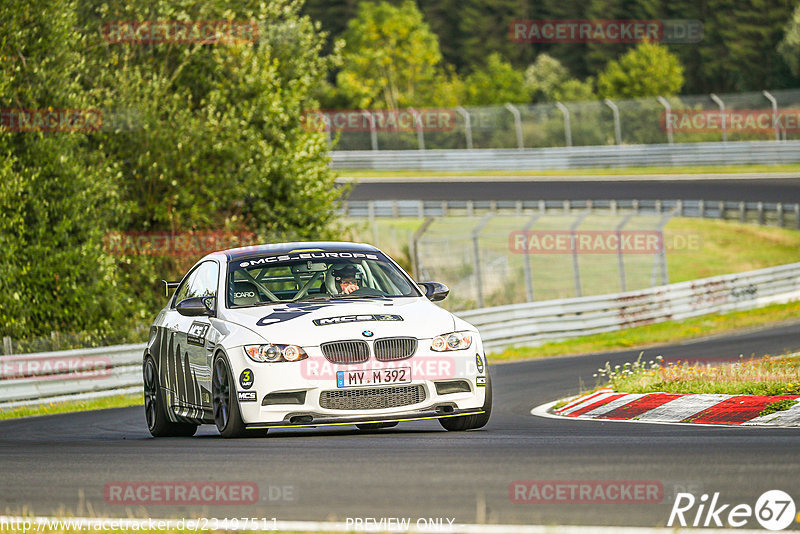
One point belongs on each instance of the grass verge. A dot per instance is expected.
(761, 376)
(115, 401)
(644, 171)
(657, 334)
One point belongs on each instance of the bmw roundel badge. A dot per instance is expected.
(367, 333)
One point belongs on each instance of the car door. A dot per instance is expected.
(188, 356)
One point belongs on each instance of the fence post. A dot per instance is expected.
(774, 103)
(718, 101)
(620, 258)
(779, 212)
(467, 125)
(373, 223)
(413, 247)
(617, 126)
(668, 109)
(760, 209)
(527, 260)
(576, 271)
(518, 124)
(373, 134)
(418, 123)
(742, 212)
(477, 254)
(567, 128)
(8, 346)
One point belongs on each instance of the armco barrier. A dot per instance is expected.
(70, 374)
(582, 157)
(538, 322)
(86, 373)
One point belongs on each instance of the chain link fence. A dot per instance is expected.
(766, 115)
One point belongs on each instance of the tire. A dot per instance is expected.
(155, 407)
(375, 426)
(225, 407)
(471, 422)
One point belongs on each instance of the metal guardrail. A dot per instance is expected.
(538, 322)
(582, 157)
(76, 374)
(773, 213)
(86, 373)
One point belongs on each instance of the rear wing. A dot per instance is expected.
(170, 285)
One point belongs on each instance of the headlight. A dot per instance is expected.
(275, 353)
(452, 341)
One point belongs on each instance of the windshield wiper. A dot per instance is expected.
(337, 297)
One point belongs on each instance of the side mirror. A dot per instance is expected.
(195, 306)
(435, 291)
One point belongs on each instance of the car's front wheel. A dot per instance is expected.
(225, 406)
(155, 407)
(471, 422)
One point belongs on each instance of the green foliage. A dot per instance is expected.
(789, 47)
(195, 138)
(391, 57)
(648, 70)
(549, 81)
(497, 83)
(56, 195)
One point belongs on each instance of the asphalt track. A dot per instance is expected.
(753, 190)
(58, 464)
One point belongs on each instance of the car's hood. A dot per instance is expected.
(314, 322)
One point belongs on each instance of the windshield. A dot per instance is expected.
(315, 275)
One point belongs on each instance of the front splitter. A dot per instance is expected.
(359, 420)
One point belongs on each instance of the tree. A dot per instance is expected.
(57, 196)
(647, 70)
(789, 47)
(549, 81)
(497, 83)
(391, 57)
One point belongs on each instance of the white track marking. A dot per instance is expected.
(587, 401)
(682, 407)
(613, 405)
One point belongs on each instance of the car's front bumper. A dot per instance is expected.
(320, 420)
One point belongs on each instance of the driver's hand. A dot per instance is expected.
(348, 288)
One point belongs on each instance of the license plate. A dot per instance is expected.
(371, 377)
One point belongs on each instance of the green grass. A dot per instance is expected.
(657, 334)
(711, 169)
(115, 401)
(779, 406)
(763, 376)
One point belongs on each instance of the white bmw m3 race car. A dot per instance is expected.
(309, 335)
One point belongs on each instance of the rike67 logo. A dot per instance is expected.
(773, 510)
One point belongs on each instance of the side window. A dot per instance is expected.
(202, 282)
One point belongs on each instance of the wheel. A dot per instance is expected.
(225, 407)
(375, 426)
(155, 407)
(471, 422)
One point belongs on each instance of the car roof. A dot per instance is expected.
(256, 251)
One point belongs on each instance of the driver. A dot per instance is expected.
(347, 278)
(348, 281)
